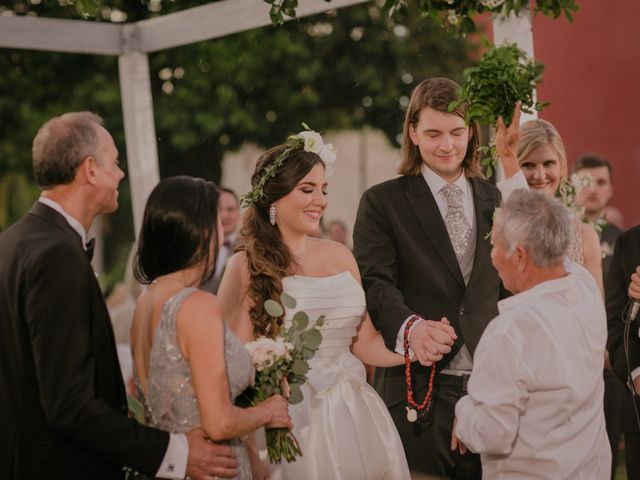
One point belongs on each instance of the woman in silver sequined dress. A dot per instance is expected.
(189, 366)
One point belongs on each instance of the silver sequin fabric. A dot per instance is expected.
(171, 403)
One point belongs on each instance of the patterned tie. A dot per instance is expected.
(455, 221)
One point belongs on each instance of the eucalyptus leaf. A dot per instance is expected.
(300, 320)
(300, 367)
(296, 395)
(135, 408)
(311, 338)
(273, 308)
(288, 301)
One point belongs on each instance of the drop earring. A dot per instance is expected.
(272, 214)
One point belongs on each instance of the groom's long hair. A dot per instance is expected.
(436, 93)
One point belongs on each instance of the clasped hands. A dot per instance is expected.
(430, 340)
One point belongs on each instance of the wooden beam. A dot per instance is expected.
(218, 19)
(139, 129)
(518, 30)
(71, 36)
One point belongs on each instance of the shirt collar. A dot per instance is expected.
(73, 223)
(550, 286)
(437, 183)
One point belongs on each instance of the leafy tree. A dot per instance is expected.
(346, 69)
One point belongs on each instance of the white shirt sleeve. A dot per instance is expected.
(635, 373)
(174, 463)
(400, 338)
(487, 419)
(512, 184)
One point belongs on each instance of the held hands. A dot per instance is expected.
(207, 460)
(431, 340)
(634, 287)
(277, 408)
(507, 140)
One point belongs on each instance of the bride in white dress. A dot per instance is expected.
(342, 425)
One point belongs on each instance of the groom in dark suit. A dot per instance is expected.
(62, 400)
(421, 242)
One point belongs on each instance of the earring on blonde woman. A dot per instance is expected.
(272, 214)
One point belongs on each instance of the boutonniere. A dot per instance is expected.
(607, 249)
(490, 216)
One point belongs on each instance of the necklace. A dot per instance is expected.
(413, 409)
(299, 256)
(167, 277)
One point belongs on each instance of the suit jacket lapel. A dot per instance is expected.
(426, 209)
(49, 214)
(484, 209)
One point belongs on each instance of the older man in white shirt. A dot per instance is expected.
(534, 407)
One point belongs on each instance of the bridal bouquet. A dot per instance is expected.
(282, 364)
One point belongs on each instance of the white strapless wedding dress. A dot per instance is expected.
(342, 425)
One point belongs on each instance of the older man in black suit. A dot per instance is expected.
(421, 242)
(63, 403)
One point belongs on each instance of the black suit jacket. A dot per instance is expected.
(626, 257)
(63, 403)
(408, 266)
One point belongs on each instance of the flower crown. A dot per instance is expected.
(309, 141)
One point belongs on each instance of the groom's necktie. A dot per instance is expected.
(455, 220)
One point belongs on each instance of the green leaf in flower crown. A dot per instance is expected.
(273, 308)
(300, 320)
(288, 301)
(311, 338)
(296, 395)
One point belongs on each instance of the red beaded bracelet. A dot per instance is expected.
(413, 409)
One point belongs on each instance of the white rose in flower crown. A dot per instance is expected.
(328, 154)
(312, 141)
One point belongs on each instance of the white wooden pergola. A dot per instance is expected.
(132, 42)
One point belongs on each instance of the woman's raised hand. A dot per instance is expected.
(506, 141)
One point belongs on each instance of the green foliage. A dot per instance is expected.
(491, 89)
(335, 71)
(455, 16)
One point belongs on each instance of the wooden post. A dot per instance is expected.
(515, 29)
(518, 30)
(139, 126)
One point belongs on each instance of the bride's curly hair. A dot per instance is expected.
(268, 258)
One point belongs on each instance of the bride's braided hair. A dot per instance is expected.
(268, 258)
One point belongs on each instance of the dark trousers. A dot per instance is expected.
(427, 442)
(614, 394)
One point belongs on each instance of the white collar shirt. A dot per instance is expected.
(73, 223)
(436, 183)
(534, 407)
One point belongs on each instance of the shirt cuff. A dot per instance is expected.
(174, 463)
(510, 185)
(635, 373)
(400, 337)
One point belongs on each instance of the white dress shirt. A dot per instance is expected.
(535, 402)
(174, 463)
